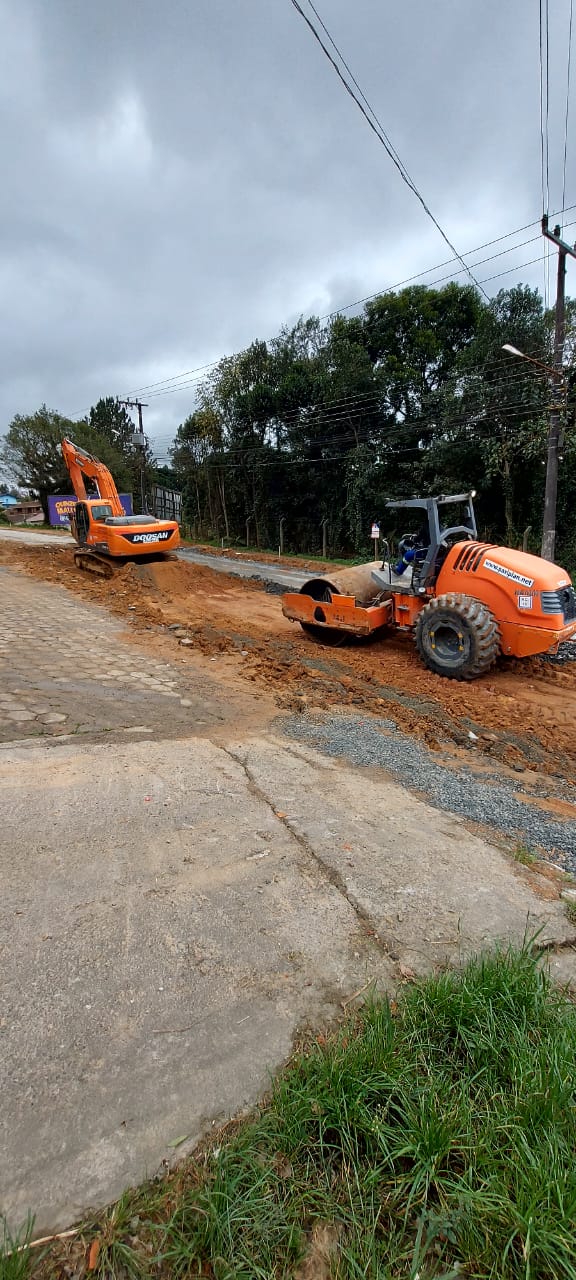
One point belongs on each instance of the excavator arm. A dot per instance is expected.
(81, 464)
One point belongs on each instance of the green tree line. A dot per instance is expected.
(317, 427)
(413, 395)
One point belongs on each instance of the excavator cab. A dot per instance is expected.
(85, 516)
(80, 523)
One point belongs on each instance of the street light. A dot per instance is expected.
(554, 441)
(552, 373)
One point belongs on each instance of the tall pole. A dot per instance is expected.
(557, 407)
(142, 484)
(141, 444)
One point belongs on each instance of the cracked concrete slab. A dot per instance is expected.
(433, 891)
(164, 938)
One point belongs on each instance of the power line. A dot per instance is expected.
(343, 405)
(399, 284)
(378, 129)
(357, 413)
(498, 275)
(544, 112)
(168, 383)
(469, 420)
(354, 406)
(427, 270)
(567, 99)
(162, 382)
(440, 280)
(547, 28)
(541, 66)
(350, 408)
(337, 457)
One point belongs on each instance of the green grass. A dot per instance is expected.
(312, 557)
(521, 853)
(434, 1138)
(15, 1252)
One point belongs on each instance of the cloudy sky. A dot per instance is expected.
(182, 176)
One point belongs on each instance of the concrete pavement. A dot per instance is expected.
(165, 937)
(183, 889)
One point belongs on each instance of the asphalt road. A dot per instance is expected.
(32, 539)
(291, 579)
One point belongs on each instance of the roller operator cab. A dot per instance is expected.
(467, 601)
(100, 526)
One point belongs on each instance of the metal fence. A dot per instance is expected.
(166, 503)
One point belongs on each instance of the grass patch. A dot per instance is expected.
(522, 854)
(430, 1139)
(312, 557)
(15, 1252)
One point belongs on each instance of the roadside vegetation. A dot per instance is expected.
(300, 439)
(431, 1137)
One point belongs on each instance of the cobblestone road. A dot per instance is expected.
(65, 668)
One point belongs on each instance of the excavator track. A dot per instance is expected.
(90, 562)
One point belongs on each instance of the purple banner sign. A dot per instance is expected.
(60, 506)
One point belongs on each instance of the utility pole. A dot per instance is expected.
(139, 439)
(558, 386)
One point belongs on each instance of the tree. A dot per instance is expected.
(504, 403)
(111, 420)
(32, 452)
(323, 422)
(195, 456)
(165, 476)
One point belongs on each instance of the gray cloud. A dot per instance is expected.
(182, 177)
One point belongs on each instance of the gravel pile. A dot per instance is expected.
(566, 653)
(377, 742)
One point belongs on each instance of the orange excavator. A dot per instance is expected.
(465, 601)
(104, 533)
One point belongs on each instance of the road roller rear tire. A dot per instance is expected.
(457, 637)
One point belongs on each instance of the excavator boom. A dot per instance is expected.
(82, 464)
